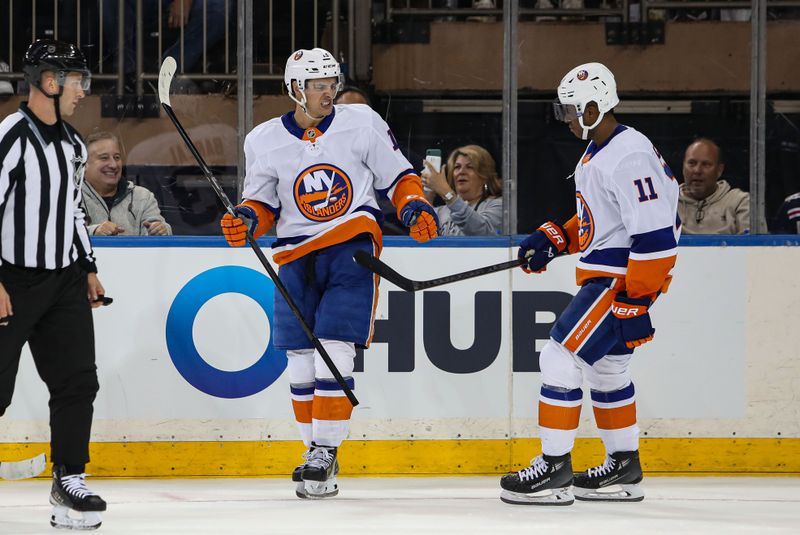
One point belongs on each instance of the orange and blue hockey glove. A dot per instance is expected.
(235, 228)
(542, 246)
(634, 326)
(420, 217)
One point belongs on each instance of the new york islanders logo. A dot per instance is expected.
(582, 75)
(323, 192)
(586, 223)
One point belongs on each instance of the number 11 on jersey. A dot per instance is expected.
(642, 195)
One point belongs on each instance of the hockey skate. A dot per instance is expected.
(319, 473)
(74, 505)
(616, 480)
(297, 475)
(545, 482)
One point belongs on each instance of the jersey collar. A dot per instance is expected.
(300, 133)
(593, 148)
(48, 133)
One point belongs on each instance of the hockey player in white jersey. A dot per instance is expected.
(626, 230)
(314, 173)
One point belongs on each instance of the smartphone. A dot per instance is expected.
(434, 156)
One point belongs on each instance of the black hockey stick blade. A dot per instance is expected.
(365, 259)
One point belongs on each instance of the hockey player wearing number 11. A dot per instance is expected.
(626, 230)
(314, 174)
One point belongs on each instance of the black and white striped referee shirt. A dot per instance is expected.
(41, 173)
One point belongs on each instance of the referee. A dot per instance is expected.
(48, 278)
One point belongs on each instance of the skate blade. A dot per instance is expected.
(318, 490)
(66, 518)
(23, 469)
(555, 497)
(300, 490)
(612, 493)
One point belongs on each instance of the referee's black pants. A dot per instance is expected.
(52, 313)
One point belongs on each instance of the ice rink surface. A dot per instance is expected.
(457, 505)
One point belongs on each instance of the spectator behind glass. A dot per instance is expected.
(471, 190)
(190, 18)
(352, 95)
(787, 220)
(391, 225)
(113, 207)
(707, 204)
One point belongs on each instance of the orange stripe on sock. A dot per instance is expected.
(617, 418)
(555, 417)
(332, 408)
(302, 411)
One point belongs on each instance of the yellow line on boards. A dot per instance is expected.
(668, 456)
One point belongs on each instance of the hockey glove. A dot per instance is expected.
(235, 228)
(542, 246)
(420, 217)
(634, 325)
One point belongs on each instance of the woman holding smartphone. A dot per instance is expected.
(471, 190)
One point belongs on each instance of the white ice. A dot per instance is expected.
(456, 505)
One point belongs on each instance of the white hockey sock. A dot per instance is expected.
(300, 364)
(331, 409)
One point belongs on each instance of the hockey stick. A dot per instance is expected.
(376, 266)
(164, 81)
(23, 469)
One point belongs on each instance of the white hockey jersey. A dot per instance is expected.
(627, 223)
(320, 182)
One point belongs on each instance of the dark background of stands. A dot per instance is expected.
(547, 150)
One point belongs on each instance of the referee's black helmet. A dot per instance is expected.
(58, 57)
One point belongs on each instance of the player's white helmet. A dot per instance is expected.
(305, 65)
(590, 82)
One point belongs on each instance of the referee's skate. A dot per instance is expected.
(74, 505)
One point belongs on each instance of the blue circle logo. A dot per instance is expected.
(181, 347)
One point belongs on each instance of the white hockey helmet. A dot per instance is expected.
(305, 65)
(590, 82)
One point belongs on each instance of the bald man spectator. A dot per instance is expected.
(707, 204)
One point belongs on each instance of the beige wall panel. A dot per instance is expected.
(209, 119)
(700, 56)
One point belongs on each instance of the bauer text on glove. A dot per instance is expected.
(633, 319)
(542, 246)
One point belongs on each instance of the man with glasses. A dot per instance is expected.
(314, 173)
(707, 203)
(626, 231)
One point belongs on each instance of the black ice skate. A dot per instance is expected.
(319, 473)
(545, 482)
(297, 475)
(616, 480)
(74, 505)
